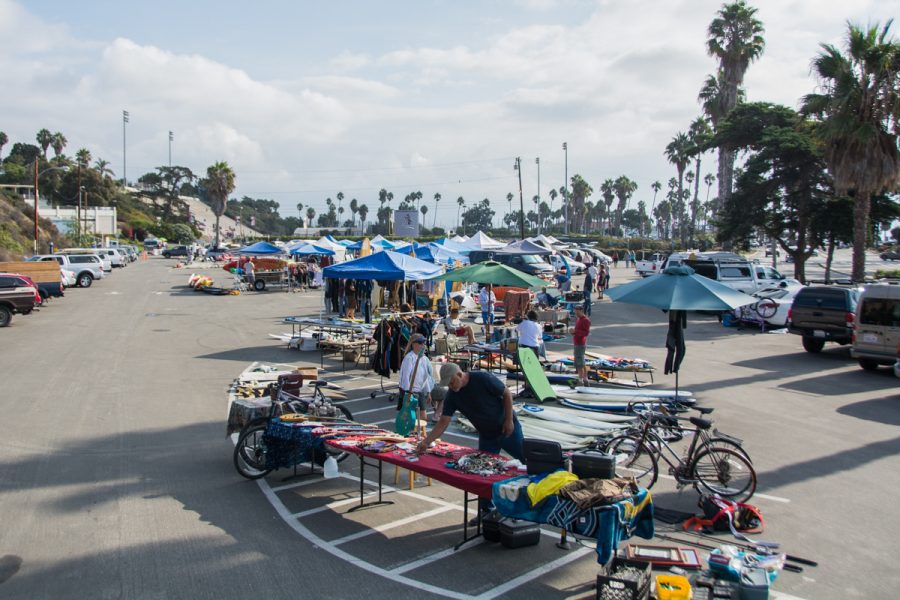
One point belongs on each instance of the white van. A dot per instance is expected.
(876, 333)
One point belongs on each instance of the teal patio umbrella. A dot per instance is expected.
(678, 290)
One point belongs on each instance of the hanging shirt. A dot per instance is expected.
(424, 381)
(530, 333)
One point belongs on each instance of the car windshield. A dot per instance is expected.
(531, 259)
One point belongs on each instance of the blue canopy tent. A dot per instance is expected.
(439, 254)
(309, 250)
(384, 266)
(402, 246)
(456, 247)
(261, 248)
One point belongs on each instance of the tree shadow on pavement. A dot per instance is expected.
(880, 410)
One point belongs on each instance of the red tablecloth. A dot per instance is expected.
(435, 467)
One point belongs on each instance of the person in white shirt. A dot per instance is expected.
(423, 383)
(487, 299)
(590, 281)
(531, 334)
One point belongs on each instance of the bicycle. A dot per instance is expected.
(716, 463)
(250, 452)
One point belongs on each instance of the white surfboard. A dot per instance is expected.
(571, 417)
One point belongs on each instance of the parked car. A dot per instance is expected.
(897, 362)
(87, 267)
(823, 314)
(877, 330)
(648, 263)
(890, 255)
(19, 281)
(105, 261)
(559, 261)
(774, 303)
(176, 251)
(116, 258)
(69, 277)
(527, 263)
(14, 299)
(217, 253)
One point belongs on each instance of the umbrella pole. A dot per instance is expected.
(487, 323)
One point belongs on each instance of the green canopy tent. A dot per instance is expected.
(491, 273)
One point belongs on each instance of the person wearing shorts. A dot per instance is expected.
(455, 326)
(580, 333)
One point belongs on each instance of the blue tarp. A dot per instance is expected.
(440, 254)
(261, 248)
(386, 266)
(309, 250)
(375, 243)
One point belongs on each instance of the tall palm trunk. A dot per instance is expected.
(860, 234)
(696, 201)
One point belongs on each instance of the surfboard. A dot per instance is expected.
(580, 416)
(534, 375)
(589, 426)
(613, 392)
(570, 429)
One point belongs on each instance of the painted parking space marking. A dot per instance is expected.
(392, 525)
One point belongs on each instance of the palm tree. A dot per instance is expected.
(677, 154)
(102, 167)
(858, 112)
(424, 210)
(509, 199)
(4, 139)
(655, 186)
(83, 158)
(310, 214)
(363, 211)
(58, 142)
(552, 193)
(44, 139)
(354, 208)
(460, 202)
(624, 189)
(708, 179)
(699, 134)
(219, 183)
(300, 210)
(437, 198)
(340, 211)
(735, 38)
(607, 190)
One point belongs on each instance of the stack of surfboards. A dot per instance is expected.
(609, 399)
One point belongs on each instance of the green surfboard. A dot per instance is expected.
(535, 376)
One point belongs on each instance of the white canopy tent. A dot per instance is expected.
(482, 241)
(461, 239)
(340, 253)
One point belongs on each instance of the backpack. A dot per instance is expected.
(721, 514)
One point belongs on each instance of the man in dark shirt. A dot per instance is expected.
(487, 403)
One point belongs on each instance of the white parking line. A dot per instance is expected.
(426, 560)
(534, 574)
(391, 525)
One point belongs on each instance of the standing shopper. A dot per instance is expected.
(248, 273)
(531, 334)
(580, 333)
(416, 382)
(487, 299)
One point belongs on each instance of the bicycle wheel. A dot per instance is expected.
(725, 472)
(717, 442)
(766, 308)
(634, 456)
(250, 452)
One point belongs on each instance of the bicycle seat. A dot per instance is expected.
(704, 410)
(701, 423)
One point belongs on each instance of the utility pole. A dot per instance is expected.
(171, 137)
(566, 187)
(537, 161)
(124, 163)
(36, 194)
(518, 167)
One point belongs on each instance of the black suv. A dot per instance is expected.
(823, 314)
(175, 251)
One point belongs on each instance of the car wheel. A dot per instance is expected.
(5, 316)
(868, 364)
(813, 345)
(259, 285)
(85, 280)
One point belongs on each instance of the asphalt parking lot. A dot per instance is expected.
(116, 478)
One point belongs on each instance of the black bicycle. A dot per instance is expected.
(715, 463)
(250, 452)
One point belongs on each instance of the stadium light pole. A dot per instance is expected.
(537, 161)
(518, 167)
(565, 148)
(171, 138)
(124, 163)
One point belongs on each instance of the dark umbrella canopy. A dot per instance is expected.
(678, 290)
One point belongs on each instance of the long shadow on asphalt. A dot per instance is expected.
(271, 353)
(842, 383)
(879, 410)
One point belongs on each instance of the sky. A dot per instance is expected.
(305, 100)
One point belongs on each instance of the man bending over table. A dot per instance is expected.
(487, 403)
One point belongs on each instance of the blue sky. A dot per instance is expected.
(308, 99)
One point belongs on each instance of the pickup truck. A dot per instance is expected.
(87, 267)
(823, 314)
(47, 278)
(14, 299)
(647, 263)
(736, 273)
